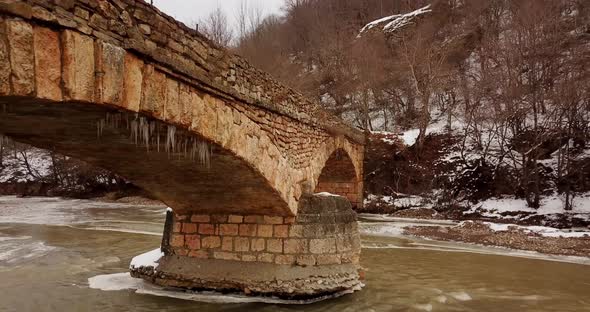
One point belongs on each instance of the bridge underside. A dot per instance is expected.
(220, 182)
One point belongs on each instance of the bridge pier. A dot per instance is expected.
(308, 256)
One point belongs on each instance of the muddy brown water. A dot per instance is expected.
(50, 248)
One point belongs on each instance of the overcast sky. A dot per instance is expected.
(190, 11)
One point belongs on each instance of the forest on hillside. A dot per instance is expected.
(463, 100)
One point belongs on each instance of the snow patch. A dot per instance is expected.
(113, 282)
(461, 296)
(494, 207)
(541, 230)
(148, 259)
(327, 194)
(395, 22)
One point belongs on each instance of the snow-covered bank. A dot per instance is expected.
(539, 239)
(510, 207)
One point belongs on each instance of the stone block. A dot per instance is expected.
(241, 244)
(177, 227)
(328, 259)
(154, 92)
(4, 60)
(322, 246)
(273, 220)
(44, 15)
(200, 218)
(22, 59)
(111, 68)
(171, 113)
(295, 246)
(189, 228)
(274, 245)
(211, 242)
(296, 230)
(235, 219)
(305, 260)
(266, 257)
(285, 259)
(132, 82)
(193, 242)
(78, 66)
(228, 229)
(206, 229)
(257, 244)
(21, 9)
(253, 219)
(248, 230)
(177, 240)
(343, 244)
(249, 258)
(281, 231)
(265, 230)
(47, 63)
(227, 243)
(186, 110)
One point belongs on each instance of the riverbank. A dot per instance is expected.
(532, 238)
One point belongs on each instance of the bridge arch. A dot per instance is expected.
(340, 176)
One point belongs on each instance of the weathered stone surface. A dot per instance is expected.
(211, 242)
(4, 60)
(154, 92)
(16, 8)
(322, 245)
(172, 101)
(47, 63)
(22, 59)
(259, 278)
(295, 246)
(110, 73)
(132, 81)
(78, 66)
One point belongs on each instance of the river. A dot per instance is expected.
(53, 250)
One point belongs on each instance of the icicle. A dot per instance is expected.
(204, 153)
(158, 137)
(134, 130)
(171, 139)
(144, 132)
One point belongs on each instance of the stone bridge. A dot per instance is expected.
(236, 155)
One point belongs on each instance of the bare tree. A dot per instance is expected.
(216, 27)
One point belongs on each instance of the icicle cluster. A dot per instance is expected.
(148, 133)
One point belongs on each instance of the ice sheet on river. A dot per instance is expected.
(124, 281)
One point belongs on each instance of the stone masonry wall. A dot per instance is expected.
(346, 189)
(313, 238)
